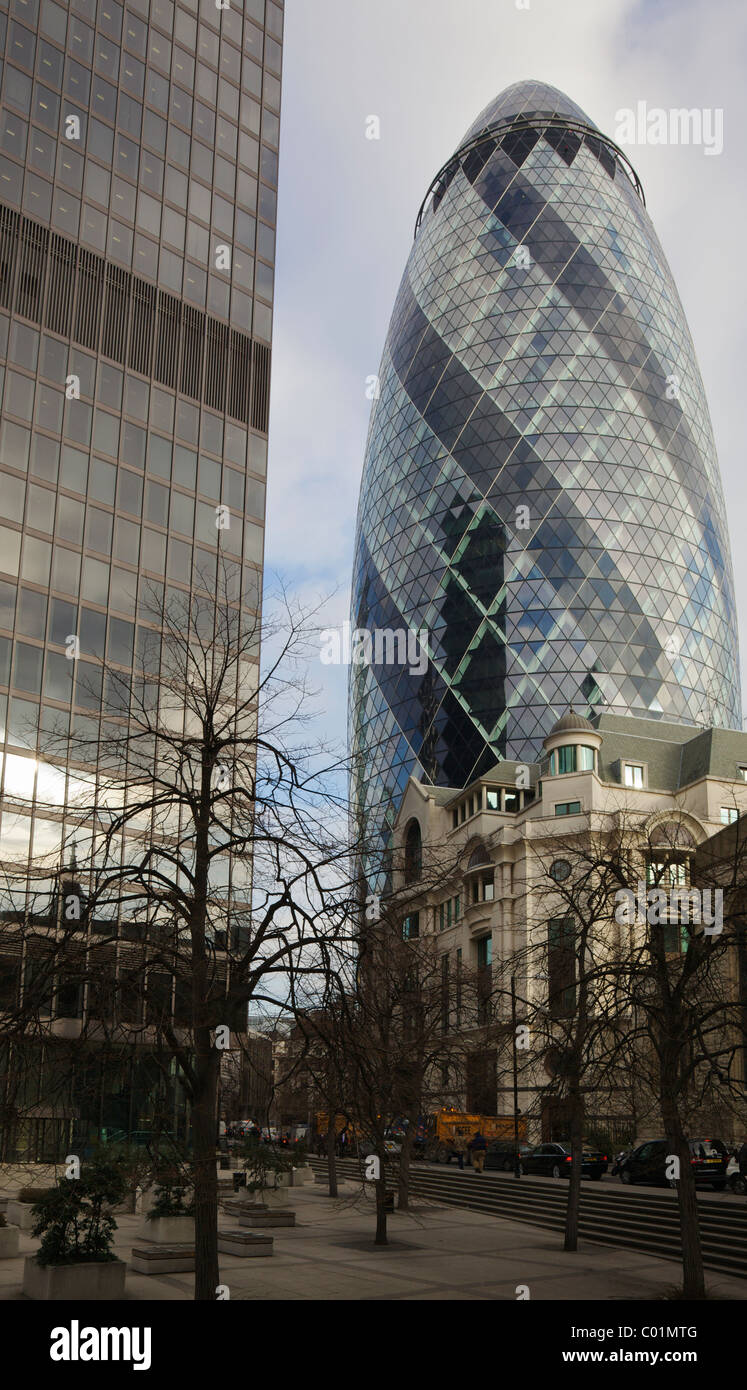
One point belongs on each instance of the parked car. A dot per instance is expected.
(392, 1149)
(709, 1160)
(618, 1160)
(554, 1161)
(501, 1154)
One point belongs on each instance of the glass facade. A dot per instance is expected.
(540, 492)
(138, 193)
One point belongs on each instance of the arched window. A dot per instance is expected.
(413, 852)
(479, 857)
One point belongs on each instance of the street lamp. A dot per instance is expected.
(517, 1163)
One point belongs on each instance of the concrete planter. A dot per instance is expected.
(246, 1244)
(267, 1216)
(274, 1196)
(163, 1259)
(9, 1237)
(97, 1281)
(20, 1214)
(169, 1230)
(305, 1173)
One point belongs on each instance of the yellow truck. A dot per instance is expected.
(440, 1134)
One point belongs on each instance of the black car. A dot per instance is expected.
(500, 1154)
(709, 1160)
(554, 1161)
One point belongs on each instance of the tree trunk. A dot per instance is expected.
(331, 1158)
(381, 1236)
(204, 1121)
(693, 1276)
(403, 1177)
(574, 1183)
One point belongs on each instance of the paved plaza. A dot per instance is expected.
(434, 1253)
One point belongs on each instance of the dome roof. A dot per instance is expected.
(571, 723)
(524, 100)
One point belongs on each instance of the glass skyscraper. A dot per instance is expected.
(138, 189)
(540, 492)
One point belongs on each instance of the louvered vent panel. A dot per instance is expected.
(32, 265)
(88, 306)
(215, 365)
(193, 339)
(143, 325)
(238, 391)
(61, 285)
(116, 313)
(8, 253)
(167, 346)
(260, 386)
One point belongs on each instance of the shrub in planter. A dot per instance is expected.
(172, 1199)
(74, 1220)
(76, 1225)
(264, 1165)
(171, 1217)
(136, 1166)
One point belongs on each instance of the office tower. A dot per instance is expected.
(540, 492)
(138, 189)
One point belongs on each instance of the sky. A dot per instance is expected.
(347, 208)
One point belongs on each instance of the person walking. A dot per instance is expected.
(478, 1148)
(460, 1149)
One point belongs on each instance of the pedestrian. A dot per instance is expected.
(460, 1149)
(478, 1148)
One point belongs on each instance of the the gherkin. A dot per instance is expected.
(541, 491)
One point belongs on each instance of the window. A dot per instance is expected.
(566, 759)
(561, 966)
(493, 799)
(445, 994)
(483, 889)
(560, 870)
(633, 775)
(729, 814)
(449, 912)
(484, 978)
(666, 873)
(413, 852)
(742, 772)
(571, 758)
(411, 927)
(484, 952)
(510, 801)
(567, 808)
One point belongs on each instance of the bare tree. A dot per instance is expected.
(623, 974)
(209, 831)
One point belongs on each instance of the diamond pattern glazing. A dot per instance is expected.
(537, 358)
